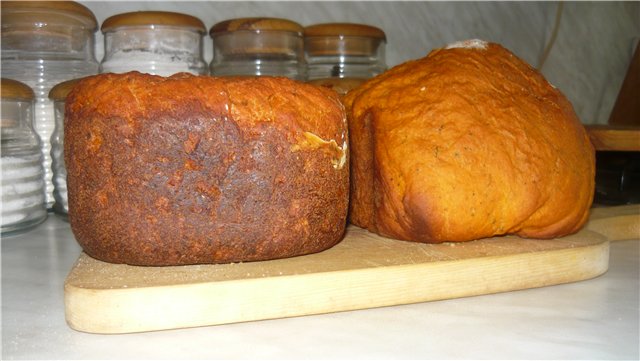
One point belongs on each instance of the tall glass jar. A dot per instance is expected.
(341, 56)
(22, 174)
(154, 42)
(58, 95)
(43, 44)
(258, 46)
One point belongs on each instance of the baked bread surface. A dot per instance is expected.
(188, 170)
(466, 143)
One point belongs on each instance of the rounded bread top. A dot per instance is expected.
(149, 18)
(481, 65)
(49, 13)
(256, 25)
(15, 90)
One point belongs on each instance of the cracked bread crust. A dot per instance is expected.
(190, 170)
(466, 143)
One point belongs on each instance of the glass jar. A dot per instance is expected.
(341, 56)
(258, 46)
(22, 177)
(45, 43)
(154, 42)
(58, 95)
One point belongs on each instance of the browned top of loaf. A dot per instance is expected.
(470, 142)
(280, 99)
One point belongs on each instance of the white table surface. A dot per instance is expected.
(593, 319)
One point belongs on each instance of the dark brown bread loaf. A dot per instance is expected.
(187, 170)
(468, 142)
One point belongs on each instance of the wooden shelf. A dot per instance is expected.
(614, 138)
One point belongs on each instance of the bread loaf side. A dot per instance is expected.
(188, 170)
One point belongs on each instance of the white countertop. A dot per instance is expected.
(593, 319)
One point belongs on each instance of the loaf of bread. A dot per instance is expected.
(466, 143)
(190, 170)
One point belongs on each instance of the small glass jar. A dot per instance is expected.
(154, 42)
(341, 56)
(58, 95)
(22, 177)
(258, 46)
(45, 43)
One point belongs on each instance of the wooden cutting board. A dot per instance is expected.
(619, 223)
(362, 271)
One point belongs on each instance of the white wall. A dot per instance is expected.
(588, 61)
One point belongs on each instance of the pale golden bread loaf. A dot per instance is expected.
(468, 142)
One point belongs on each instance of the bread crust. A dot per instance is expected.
(466, 143)
(188, 170)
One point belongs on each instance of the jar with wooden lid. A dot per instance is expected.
(23, 190)
(58, 95)
(343, 55)
(258, 46)
(154, 42)
(45, 43)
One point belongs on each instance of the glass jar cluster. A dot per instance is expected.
(49, 45)
(165, 43)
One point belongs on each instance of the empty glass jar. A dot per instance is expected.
(341, 55)
(22, 181)
(154, 42)
(258, 46)
(45, 43)
(58, 95)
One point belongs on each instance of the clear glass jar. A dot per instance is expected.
(45, 43)
(22, 176)
(154, 42)
(258, 46)
(341, 56)
(58, 95)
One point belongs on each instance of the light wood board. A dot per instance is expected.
(614, 138)
(363, 271)
(618, 223)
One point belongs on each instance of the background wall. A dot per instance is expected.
(593, 48)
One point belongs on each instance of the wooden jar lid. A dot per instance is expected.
(344, 29)
(343, 39)
(61, 90)
(142, 18)
(256, 24)
(48, 12)
(15, 90)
